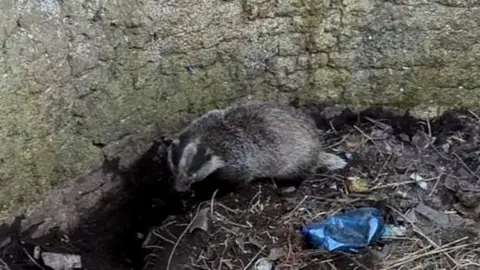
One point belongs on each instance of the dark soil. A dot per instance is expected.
(386, 148)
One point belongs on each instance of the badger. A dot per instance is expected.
(249, 141)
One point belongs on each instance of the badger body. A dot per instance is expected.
(244, 142)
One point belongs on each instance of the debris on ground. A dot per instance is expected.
(347, 231)
(420, 180)
(442, 219)
(263, 264)
(201, 221)
(391, 230)
(358, 184)
(59, 261)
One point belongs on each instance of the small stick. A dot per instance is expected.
(180, 238)
(331, 126)
(157, 234)
(417, 254)
(254, 197)
(433, 252)
(466, 166)
(296, 208)
(402, 183)
(253, 259)
(211, 202)
(363, 133)
(382, 168)
(368, 138)
(474, 114)
(429, 128)
(223, 253)
(4, 265)
(416, 229)
(435, 186)
(32, 259)
(344, 138)
(377, 123)
(224, 219)
(228, 209)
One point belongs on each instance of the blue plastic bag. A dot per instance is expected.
(347, 231)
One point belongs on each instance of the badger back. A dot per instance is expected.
(262, 138)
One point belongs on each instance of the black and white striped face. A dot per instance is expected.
(191, 162)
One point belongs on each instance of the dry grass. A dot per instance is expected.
(3, 265)
(260, 234)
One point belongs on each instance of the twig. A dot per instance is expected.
(180, 238)
(474, 114)
(32, 259)
(296, 208)
(429, 127)
(377, 123)
(228, 209)
(368, 138)
(382, 168)
(356, 261)
(442, 249)
(363, 133)
(402, 183)
(4, 265)
(223, 253)
(211, 202)
(333, 128)
(417, 230)
(344, 138)
(157, 234)
(435, 186)
(253, 259)
(466, 166)
(224, 219)
(254, 197)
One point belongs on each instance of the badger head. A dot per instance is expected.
(190, 162)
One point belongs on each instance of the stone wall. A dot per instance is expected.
(86, 80)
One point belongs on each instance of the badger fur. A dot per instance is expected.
(244, 142)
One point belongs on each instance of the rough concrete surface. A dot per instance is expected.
(89, 80)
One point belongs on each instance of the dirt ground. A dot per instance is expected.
(258, 222)
(389, 155)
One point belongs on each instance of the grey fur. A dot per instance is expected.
(244, 142)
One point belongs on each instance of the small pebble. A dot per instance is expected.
(288, 190)
(263, 264)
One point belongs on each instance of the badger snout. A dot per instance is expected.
(181, 184)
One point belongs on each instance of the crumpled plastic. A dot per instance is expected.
(348, 231)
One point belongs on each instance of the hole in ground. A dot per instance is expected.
(111, 238)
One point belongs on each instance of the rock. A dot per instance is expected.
(263, 264)
(287, 190)
(202, 220)
(442, 219)
(468, 198)
(275, 254)
(59, 261)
